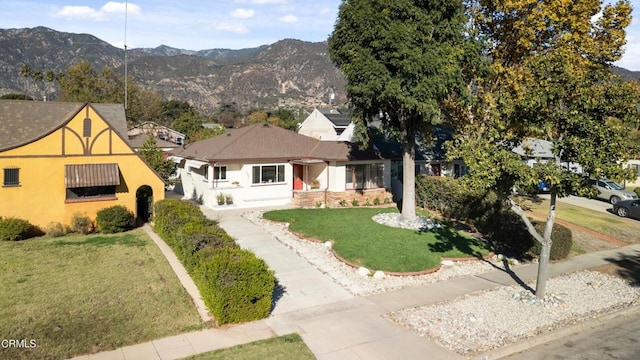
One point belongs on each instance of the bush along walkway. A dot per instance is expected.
(235, 285)
(181, 273)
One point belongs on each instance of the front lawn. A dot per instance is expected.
(362, 241)
(80, 294)
(607, 224)
(279, 348)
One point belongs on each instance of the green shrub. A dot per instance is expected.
(453, 200)
(81, 224)
(561, 240)
(637, 191)
(56, 229)
(355, 203)
(196, 236)
(13, 229)
(236, 285)
(114, 219)
(376, 201)
(171, 214)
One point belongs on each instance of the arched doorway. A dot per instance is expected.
(144, 204)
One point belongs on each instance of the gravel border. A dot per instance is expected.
(478, 322)
(358, 280)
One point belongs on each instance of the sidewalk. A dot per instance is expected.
(333, 323)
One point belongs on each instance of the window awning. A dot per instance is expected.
(86, 175)
(195, 164)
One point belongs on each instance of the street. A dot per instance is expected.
(616, 339)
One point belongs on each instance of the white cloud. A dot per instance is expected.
(113, 7)
(86, 12)
(243, 13)
(74, 12)
(233, 28)
(289, 19)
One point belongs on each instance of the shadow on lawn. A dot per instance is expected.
(101, 241)
(628, 267)
(447, 239)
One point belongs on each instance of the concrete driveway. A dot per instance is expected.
(592, 204)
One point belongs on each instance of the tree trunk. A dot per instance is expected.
(408, 173)
(541, 282)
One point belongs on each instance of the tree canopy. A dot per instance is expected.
(155, 158)
(549, 79)
(400, 59)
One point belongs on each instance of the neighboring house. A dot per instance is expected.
(159, 131)
(533, 151)
(137, 142)
(327, 125)
(60, 159)
(635, 165)
(266, 165)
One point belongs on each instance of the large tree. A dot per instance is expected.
(400, 59)
(550, 79)
(82, 83)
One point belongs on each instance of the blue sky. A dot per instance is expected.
(199, 25)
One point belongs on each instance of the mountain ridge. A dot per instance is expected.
(287, 72)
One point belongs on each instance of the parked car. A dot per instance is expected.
(627, 208)
(611, 191)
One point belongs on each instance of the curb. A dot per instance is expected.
(559, 333)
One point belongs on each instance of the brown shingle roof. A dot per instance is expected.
(22, 122)
(264, 142)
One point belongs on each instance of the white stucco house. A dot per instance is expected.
(327, 125)
(263, 164)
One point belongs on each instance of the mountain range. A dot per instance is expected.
(286, 73)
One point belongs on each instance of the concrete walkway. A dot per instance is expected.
(333, 323)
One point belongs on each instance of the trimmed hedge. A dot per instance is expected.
(561, 240)
(114, 219)
(235, 285)
(484, 210)
(14, 229)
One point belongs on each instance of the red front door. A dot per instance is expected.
(297, 177)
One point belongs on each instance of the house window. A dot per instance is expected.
(11, 177)
(365, 176)
(205, 172)
(86, 127)
(91, 192)
(219, 173)
(179, 141)
(265, 174)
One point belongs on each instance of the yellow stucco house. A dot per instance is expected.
(60, 159)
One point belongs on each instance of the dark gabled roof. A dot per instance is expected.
(266, 142)
(391, 149)
(23, 122)
(338, 119)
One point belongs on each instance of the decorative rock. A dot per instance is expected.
(378, 275)
(447, 263)
(328, 244)
(395, 220)
(363, 271)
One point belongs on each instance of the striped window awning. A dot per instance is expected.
(87, 175)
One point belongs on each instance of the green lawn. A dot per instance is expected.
(79, 294)
(360, 240)
(608, 224)
(278, 348)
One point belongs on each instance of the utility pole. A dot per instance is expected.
(126, 75)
